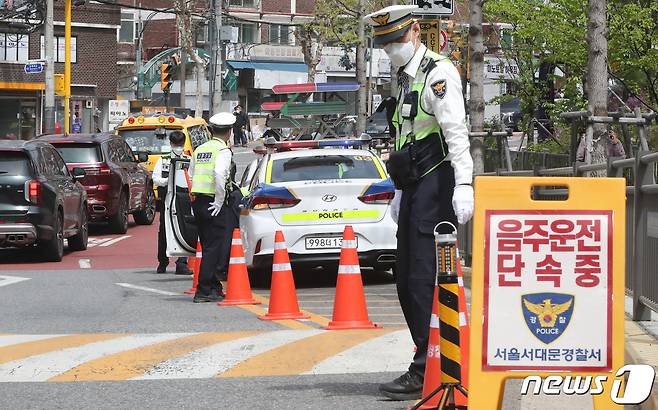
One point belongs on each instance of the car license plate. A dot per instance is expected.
(324, 242)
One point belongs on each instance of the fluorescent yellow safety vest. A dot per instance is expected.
(425, 125)
(205, 156)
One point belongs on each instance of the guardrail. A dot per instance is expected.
(641, 173)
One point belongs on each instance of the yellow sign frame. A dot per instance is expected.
(514, 194)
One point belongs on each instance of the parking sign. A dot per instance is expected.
(436, 7)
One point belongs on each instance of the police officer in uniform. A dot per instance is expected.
(160, 179)
(432, 169)
(210, 172)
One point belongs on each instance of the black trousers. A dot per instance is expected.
(239, 136)
(422, 206)
(231, 219)
(212, 234)
(162, 243)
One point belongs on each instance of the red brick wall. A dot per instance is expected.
(305, 6)
(159, 35)
(276, 6)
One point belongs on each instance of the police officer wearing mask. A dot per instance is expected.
(160, 179)
(210, 172)
(431, 167)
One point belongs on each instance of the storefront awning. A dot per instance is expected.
(270, 66)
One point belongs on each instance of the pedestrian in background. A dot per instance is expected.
(433, 179)
(210, 172)
(161, 179)
(614, 148)
(241, 126)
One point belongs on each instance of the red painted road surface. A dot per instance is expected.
(136, 249)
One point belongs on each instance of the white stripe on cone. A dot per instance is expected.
(349, 244)
(462, 319)
(460, 281)
(279, 245)
(236, 261)
(349, 270)
(236, 241)
(434, 321)
(281, 267)
(199, 255)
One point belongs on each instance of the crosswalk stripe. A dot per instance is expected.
(208, 362)
(387, 353)
(44, 366)
(301, 356)
(8, 340)
(134, 363)
(50, 344)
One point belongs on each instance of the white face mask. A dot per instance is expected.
(400, 53)
(177, 150)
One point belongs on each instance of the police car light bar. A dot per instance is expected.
(325, 143)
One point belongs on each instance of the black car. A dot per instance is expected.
(41, 202)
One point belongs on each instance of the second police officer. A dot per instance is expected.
(432, 169)
(160, 179)
(210, 172)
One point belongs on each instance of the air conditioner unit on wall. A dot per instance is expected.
(89, 104)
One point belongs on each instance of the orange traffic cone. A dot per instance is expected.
(433, 363)
(196, 266)
(283, 299)
(238, 290)
(350, 310)
(464, 327)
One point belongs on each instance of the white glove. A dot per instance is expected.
(214, 208)
(462, 203)
(395, 205)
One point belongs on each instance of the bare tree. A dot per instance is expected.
(186, 30)
(362, 108)
(476, 71)
(597, 80)
(312, 43)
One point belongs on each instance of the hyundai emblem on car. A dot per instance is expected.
(329, 198)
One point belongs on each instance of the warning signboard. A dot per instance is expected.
(548, 282)
(547, 276)
(432, 36)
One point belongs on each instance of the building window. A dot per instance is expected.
(279, 34)
(247, 33)
(202, 34)
(13, 47)
(59, 55)
(127, 30)
(246, 4)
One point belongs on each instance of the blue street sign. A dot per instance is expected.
(33, 68)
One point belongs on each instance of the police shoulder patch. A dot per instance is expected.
(439, 88)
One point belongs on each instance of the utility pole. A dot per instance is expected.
(217, 57)
(67, 66)
(394, 74)
(362, 104)
(49, 104)
(182, 71)
(138, 52)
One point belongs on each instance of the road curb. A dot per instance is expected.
(641, 348)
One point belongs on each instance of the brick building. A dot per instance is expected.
(93, 73)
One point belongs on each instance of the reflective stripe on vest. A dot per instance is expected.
(205, 156)
(425, 124)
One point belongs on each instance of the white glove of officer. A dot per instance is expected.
(462, 203)
(214, 208)
(395, 205)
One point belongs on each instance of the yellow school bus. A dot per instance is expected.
(149, 133)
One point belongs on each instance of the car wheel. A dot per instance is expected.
(146, 215)
(78, 242)
(119, 222)
(53, 250)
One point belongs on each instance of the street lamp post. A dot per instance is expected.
(67, 66)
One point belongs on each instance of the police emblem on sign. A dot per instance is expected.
(547, 314)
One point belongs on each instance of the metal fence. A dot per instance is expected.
(641, 173)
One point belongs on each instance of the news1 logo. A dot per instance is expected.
(637, 387)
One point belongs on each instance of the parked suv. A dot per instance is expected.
(41, 202)
(116, 184)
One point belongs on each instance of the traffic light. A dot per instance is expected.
(166, 76)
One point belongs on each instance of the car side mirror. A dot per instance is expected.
(78, 173)
(142, 157)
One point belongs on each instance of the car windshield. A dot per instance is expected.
(14, 163)
(80, 153)
(320, 167)
(145, 140)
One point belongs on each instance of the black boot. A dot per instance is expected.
(162, 267)
(182, 269)
(409, 386)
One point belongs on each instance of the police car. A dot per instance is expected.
(309, 190)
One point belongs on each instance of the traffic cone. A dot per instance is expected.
(196, 266)
(433, 362)
(283, 298)
(464, 327)
(238, 290)
(350, 310)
